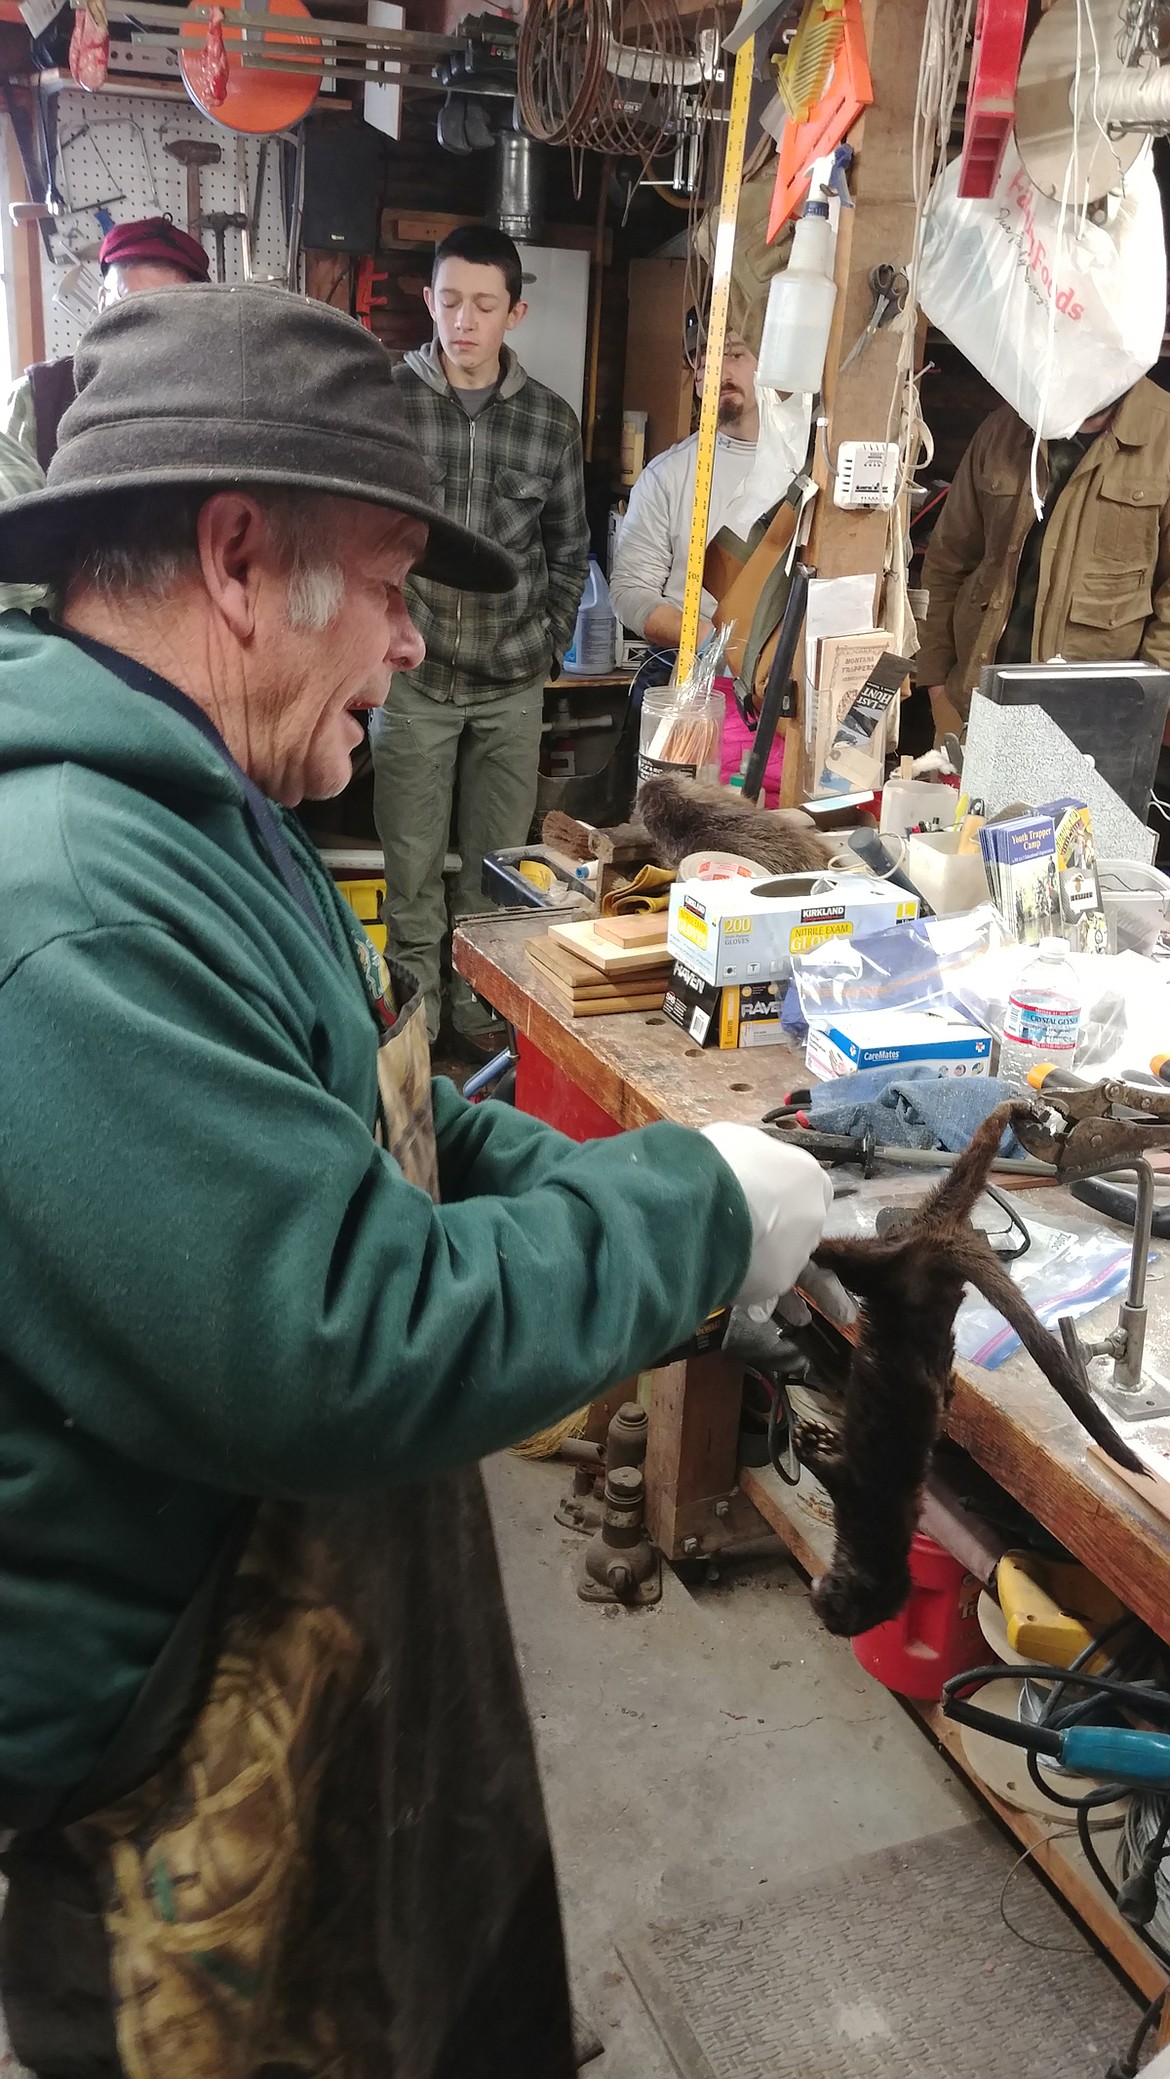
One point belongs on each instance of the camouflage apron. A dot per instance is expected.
(345, 1870)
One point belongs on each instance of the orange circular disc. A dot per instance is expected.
(258, 102)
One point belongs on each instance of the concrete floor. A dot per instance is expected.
(688, 1751)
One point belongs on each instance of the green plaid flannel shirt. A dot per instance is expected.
(514, 473)
(19, 472)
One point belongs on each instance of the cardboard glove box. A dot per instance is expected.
(749, 931)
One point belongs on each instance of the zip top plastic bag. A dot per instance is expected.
(1062, 315)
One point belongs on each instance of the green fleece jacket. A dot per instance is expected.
(213, 1282)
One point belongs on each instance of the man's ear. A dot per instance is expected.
(518, 311)
(429, 299)
(235, 556)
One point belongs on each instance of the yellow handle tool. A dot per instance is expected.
(1054, 1609)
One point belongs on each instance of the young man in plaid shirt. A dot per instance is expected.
(465, 726)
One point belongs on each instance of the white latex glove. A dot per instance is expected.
(788, 1196)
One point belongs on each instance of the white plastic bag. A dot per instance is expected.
(1061, 315)
(780, 455)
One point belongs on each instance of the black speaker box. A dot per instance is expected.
(345, 170)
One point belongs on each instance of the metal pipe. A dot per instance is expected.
(419, 42)
(1133, 1317)
(418, 82)
(848, 1148)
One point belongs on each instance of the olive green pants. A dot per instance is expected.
(429, 756)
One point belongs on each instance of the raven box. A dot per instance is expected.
(742, 1014)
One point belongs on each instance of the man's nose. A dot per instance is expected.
(406, 648)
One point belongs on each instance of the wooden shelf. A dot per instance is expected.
(580, 682)
(802, 1518)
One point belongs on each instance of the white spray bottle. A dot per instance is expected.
(802, 296)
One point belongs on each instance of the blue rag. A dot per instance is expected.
(923, 1108)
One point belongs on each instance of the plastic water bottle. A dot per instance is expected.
(1043, 1021)
(591, 652)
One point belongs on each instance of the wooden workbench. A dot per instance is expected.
(639, 1068)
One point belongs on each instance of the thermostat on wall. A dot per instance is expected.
(867, 475)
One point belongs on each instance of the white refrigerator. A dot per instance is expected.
(550, 341)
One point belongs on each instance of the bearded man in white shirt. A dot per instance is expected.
(650, 562)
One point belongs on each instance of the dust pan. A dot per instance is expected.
(804, 74)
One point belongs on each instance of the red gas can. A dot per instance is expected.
(936, 1635)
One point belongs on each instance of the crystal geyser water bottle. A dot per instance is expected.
(1043, 1021)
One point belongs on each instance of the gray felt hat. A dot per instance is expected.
(205, 385)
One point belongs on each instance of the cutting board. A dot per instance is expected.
(579, 979)
(614, 961)
(587, 994)
(633, 931)
(570, 973)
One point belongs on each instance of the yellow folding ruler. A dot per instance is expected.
(737, 123)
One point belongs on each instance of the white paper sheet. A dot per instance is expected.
(836, 606)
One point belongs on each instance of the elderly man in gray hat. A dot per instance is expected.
(267, 1795)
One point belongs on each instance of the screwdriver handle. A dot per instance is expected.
(1046, 1076)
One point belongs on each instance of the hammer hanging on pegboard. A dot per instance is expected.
(193, 153)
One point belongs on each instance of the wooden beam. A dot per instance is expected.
(427, 227)
(879, 228)
(691, 1455)
(27, 300)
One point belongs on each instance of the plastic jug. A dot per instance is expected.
(800, 308)
(592, 649)
(935, 1635)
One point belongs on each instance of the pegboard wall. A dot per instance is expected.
(114, 145)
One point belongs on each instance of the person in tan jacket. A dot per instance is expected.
(1089, 581)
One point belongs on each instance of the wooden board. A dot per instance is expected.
(575, 978)
(580, 979)
(613, 961)
(691, 1447)
(602, 1007)
(1152, 1488)
(657, 379)
(634, 931)
(430, 227)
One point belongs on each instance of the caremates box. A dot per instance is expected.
(749, 931)
(894, 1039)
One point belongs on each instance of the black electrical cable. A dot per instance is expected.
(1042, 1739)
(1126, 2067)
(1106, 1795)
(1074, 1695)
(1137, 1897)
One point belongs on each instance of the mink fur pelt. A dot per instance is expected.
(684, 816)
(910, 1281)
